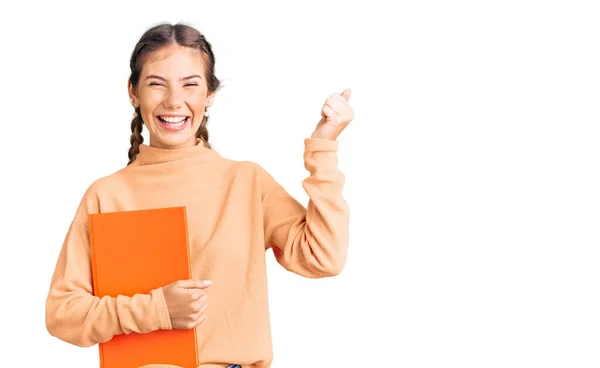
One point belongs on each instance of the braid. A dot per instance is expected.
(202, 132)
(136, 136)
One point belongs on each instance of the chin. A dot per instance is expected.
(177, 142)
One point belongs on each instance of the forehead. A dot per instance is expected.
(174, 62)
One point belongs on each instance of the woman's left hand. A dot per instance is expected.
(336, 115)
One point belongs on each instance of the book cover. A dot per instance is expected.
(134, 252)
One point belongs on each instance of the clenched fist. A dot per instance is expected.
(335, 116)
(186, 302)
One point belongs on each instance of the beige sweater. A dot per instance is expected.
(236, 211)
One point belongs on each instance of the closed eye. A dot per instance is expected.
(158, 84)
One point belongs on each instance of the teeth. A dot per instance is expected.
(173, 119)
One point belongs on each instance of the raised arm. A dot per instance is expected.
(313, 241)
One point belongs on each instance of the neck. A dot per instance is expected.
(192, 141)
(150, 154)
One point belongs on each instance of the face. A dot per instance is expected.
(172, 95)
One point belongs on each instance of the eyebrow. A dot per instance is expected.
(182, 79)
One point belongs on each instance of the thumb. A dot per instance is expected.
(346, 94)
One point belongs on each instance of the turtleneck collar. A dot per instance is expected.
(149, 155)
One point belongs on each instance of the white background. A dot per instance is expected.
(472, 167)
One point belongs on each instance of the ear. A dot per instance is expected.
(132, 94)
(210, 99)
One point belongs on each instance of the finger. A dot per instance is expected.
(330, 114)
(197, 322)
(198, 314)
(194, 284)
(339, 104)
(198, 304)
(199, 294)
(346, 94)
(328, 102)
(194, 323)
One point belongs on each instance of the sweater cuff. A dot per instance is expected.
(158, 298)
(320, 144)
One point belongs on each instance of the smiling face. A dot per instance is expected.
(172, 95)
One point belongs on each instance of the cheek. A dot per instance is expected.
(196, 97)
(197, 104)
(151, 100)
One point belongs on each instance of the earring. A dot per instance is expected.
(135, 114)
(206, 112)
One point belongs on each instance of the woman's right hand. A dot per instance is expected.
(186, 302)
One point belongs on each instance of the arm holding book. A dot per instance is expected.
(74, 314)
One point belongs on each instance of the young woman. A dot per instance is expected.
(236, 211)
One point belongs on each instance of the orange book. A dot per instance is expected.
(134, 252)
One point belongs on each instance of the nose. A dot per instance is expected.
(173, 99)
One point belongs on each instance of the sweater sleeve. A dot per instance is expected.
(311, 241)
(75, 315)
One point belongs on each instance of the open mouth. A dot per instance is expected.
(173, 122)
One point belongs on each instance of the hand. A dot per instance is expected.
(336, 115)
(186, 302)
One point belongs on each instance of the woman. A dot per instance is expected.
(235, 211)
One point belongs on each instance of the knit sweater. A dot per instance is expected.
(236, 211)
